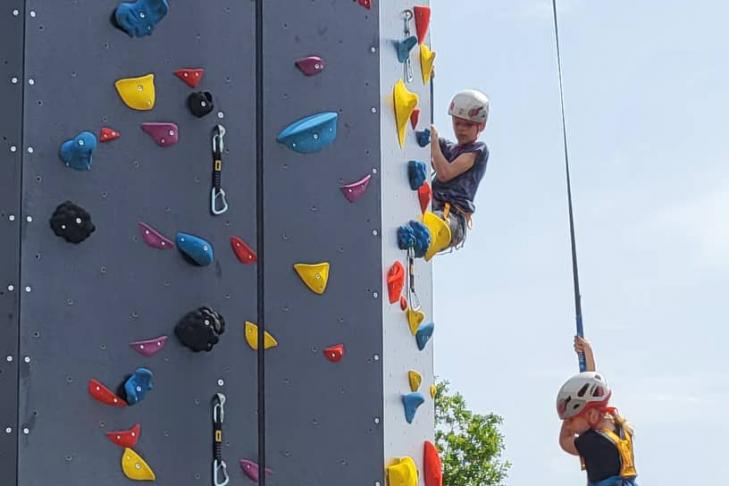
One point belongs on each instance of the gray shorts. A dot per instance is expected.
(458, 226)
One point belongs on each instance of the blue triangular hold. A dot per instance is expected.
(310, 134)
(138, 19)
(196, 249)
(404, 47)
(137, 385)
(77, 153)
(423, 335)
(411, 402)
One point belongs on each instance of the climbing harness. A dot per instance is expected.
(220, 469)
(407, 16)
(218, 201)
(413, 299)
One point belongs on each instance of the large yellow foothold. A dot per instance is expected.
(433, 391)
(440, 234)
(137, 93)
(402, 472)
(135, 468)
(405, 103)
(415, 318)
(427, 58)
(415, 380)
(251, 332)
(314, 276)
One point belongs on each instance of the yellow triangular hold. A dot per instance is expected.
(402, 472)
(433, 391)
(137, 93)
(427, 58)
(415, 318)
(405, 103)
(135, 468)
(314, 276)
(251, 333)
(440, 234)
(415, 380)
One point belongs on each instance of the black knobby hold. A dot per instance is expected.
(200, 103)
(200, 329)
(72, 222)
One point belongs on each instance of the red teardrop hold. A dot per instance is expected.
(191, 76)
(403, 303)
(126, 438)
(415, 117)
(422, 22)
(244, 252)
(104, 395)
(432, 467)
(395, 281)
(424, 195)
(109, 134)
(334, 353)
(365, 3)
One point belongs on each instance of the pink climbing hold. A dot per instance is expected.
(334, 353)
(251, 469)
(312, 65)
(108, 134)
(149, 347)
(356, 190)
(154, 238)
(165, 134)
(415, 117)
(244, 252)
(191, 76)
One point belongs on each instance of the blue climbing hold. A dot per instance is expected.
(423, 137)
(404, 47)
(417, 174)
(310, 134)
(76, 153)
(197, 250)
(423, 334)
(411, 402)
(138, 19)
(414, 235)
(137, 385)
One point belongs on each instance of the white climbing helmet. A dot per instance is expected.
(470, 105)
(582, 392)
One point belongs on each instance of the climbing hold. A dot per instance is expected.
(402, 472)
(312, 65)
(108, 134)
(417, 174)
(405, 103)
(427, 58)
(200, 103)
(432, 467)
(135, 468)
(252, 470)
(403, 303)
(415, 118)
(365, 3)
(334, 353)
(425, 332)
(126, 438)
(137, 385)
(196, 250)
(77, 152)
(138, 19)
(310, 134)
(433, 391)
(200, 330)
(137, 93)
(315, 276)
(395, 281)
(415, 379)
(422, 22)
(102, 394)
(356, 190)
(423, 137)
(425, 193)
(411, 402)
(440, 234)
(154, 238)
(414, 235)
(190, 76)
(415, 318)
(404, 47)
(72, 222)
(244, 252)
(165, 134)
(251, 332)
(149, 347)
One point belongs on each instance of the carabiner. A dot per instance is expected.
(220, 473)
(218, 202)
(218, 408)
(412, 294)
(407, 16)
(218, 143)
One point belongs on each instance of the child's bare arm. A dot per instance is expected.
(582, 345)
(567, 439)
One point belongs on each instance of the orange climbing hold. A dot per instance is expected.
(108, 134)
(334, 353)
(422, 22)
(244, 252)
(395, 281)
(403, 303)
(405, 103)
(365, 3)
(432, 466)
(126, 438)
(415, 118)
(425, 193)
(190, 76)
(104, 395)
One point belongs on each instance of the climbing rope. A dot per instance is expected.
(575, 273)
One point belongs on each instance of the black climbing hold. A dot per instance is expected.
(200, 329)
(200, 103)
(72, 222)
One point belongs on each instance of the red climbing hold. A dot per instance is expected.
(312, 65)
(395, 281)
(104, 395)
(244, 252)
(126, 438)
(432, 467)
(415, 117)
(191, 76)
(403, 303)
(365, 3)
(422, 22)
(334, 353)
(108, 134)
(424, 195)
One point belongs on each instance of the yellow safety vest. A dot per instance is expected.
(624, 445)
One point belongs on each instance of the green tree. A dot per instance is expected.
(470, 444)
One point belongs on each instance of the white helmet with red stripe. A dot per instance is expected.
(582, 392)
(470, 105)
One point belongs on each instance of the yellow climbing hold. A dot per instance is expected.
(135, 468)
(251, 332)
(415, 380)
(314, 276)
(402, 472)
(415, 318)
(405, 103)
(440, 234)
(137, 93)
(427, 58)
(433, 391)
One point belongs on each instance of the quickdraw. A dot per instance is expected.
(218, 201)
(407, 16)
(413, 299)
(220, 469)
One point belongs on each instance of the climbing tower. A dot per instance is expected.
(133, 290)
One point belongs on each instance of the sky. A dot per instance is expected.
(647, 94)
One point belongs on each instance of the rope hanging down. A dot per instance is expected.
(575, 273)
